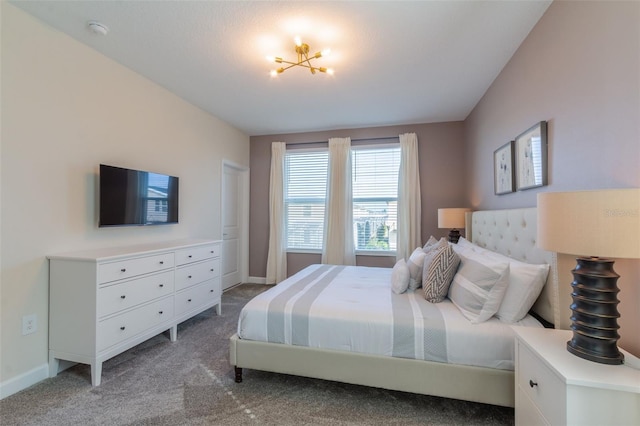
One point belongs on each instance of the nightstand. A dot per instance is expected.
(555, 387)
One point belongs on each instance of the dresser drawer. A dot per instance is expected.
(124, 295)
(196, 254)
(526, 412)
(539, 384)
(121, 327)
(197, 296)
(195, 273)
(112, 271)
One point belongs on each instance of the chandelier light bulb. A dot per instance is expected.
(273, 73)
(325, 52)
(298, 41)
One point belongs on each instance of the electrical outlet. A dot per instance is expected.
(29, 324)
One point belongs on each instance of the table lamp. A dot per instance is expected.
(452, 218)
(593, 223)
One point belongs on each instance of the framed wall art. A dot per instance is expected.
(503, 171)
(531, 157)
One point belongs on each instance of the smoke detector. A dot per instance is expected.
(97, 28)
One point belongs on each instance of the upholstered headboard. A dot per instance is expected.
(513, 232)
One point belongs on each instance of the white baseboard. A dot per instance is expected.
(257, 280)
(24, 380)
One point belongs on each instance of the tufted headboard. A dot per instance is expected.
(513, 232)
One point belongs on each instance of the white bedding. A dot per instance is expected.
(353, 309)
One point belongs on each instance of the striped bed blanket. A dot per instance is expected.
(352, 308)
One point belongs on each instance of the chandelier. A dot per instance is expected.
(304, 60)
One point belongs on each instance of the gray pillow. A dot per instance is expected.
(479, 286)
(439, 272)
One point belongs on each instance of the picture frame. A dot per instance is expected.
(503, 171)
(531, 157)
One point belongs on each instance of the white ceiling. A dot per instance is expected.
(396, 62)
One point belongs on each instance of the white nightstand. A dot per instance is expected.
(556, 387)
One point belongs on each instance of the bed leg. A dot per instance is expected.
(238, 374)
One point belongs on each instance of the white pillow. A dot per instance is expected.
(479, 286)
(415, 263)
(431, 241)
(400, 277)
(526, 281)
(525, 284)
(464, 243)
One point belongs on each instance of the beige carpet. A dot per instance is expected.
(190, 382)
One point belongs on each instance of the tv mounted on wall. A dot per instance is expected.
(135, 198)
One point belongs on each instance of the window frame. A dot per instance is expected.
(364, 145)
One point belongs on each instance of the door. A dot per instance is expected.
(235, 193)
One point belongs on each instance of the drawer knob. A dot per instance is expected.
(190, 256)
(160, 312)
(211, 291)
(123, 270)
(161, 285)
(189, 276)
(532, 383)
(211, 269)
(189, 300)
(123, 296)
(162, 262)
(122, 328)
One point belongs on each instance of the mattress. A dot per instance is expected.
(352, 308)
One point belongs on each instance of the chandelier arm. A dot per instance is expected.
(290, 66)
(301, 63)
(294, 64)
(308, 61)
(303, 60)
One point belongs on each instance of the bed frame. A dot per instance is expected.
(510, 232)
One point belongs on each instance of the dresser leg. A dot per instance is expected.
(173, 333)
(96, 373)
(219, 308)
(54, 365)
(238, 371)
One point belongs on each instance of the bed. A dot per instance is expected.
(375, 360)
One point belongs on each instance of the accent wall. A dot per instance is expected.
(579, 69)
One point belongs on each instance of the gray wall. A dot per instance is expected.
(442, 184)
(579, 69)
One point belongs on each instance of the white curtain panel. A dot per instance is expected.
(409, 208)
(277, 257)
(338, 247)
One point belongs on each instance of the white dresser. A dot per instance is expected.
(105, 301)
(555, 387)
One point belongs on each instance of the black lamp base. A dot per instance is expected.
(454, 236)
(594, 320)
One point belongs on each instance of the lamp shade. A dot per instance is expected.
(604, 223)
(451, 218)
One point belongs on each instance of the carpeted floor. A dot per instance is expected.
(190, 382)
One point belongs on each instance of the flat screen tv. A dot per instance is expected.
(136, 198)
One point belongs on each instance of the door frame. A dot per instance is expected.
(243, 201)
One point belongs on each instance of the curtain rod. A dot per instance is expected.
(294, 144)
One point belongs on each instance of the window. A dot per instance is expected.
(305, 189)
(375, 197)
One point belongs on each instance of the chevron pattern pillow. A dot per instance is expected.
(439, 273)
